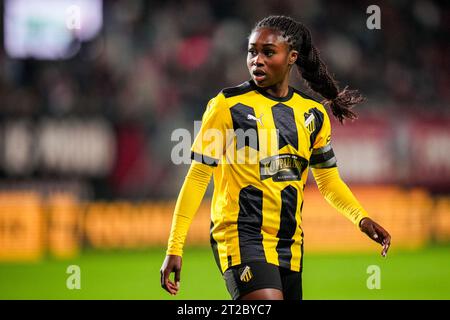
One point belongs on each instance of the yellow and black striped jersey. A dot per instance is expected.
(261, 147)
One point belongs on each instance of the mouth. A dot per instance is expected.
(258, 75)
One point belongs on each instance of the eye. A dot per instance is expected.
(252, 51)
(269, 53)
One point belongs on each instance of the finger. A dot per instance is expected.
(167, 284)
(173, 290)
(385, 250)
(162, 279)
(177, 278)
(384, 235)
(386, 245)
(171, 285)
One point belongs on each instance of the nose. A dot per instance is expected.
(258, 61)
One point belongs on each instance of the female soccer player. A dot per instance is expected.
(259, 176)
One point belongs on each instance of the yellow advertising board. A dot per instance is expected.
(32, 226)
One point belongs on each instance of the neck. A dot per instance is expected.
(279, 90)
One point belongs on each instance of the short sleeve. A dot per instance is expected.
(322, 154)
(209, 144)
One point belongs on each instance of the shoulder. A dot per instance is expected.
(305, 96)
(219, 102)
(241, 89)
(311, 101)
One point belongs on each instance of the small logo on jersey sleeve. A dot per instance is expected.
(245, 274)
(310, 124)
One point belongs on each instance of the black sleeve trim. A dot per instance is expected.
(204, 159)
(321, 157)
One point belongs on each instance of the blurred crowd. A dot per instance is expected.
(155, 65)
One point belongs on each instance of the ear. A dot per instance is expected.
(293, 55)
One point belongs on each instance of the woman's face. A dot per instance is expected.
(269, 59)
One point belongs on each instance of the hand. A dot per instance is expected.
(171, 264)
(376, 233)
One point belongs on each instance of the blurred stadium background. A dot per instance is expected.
(88, 105)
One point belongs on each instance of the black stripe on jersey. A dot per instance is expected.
(250, 223)
(213, 243)
(283, 116)
(288, 224)
(246, 129)
(318, 120)
(204, 159)
(238, 90)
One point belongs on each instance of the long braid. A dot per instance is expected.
(312, 68)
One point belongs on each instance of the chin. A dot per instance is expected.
(262, 83)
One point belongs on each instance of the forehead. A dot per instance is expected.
(264, 36)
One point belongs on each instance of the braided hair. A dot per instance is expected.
(312, 68)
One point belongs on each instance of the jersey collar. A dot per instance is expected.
(269, 96)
